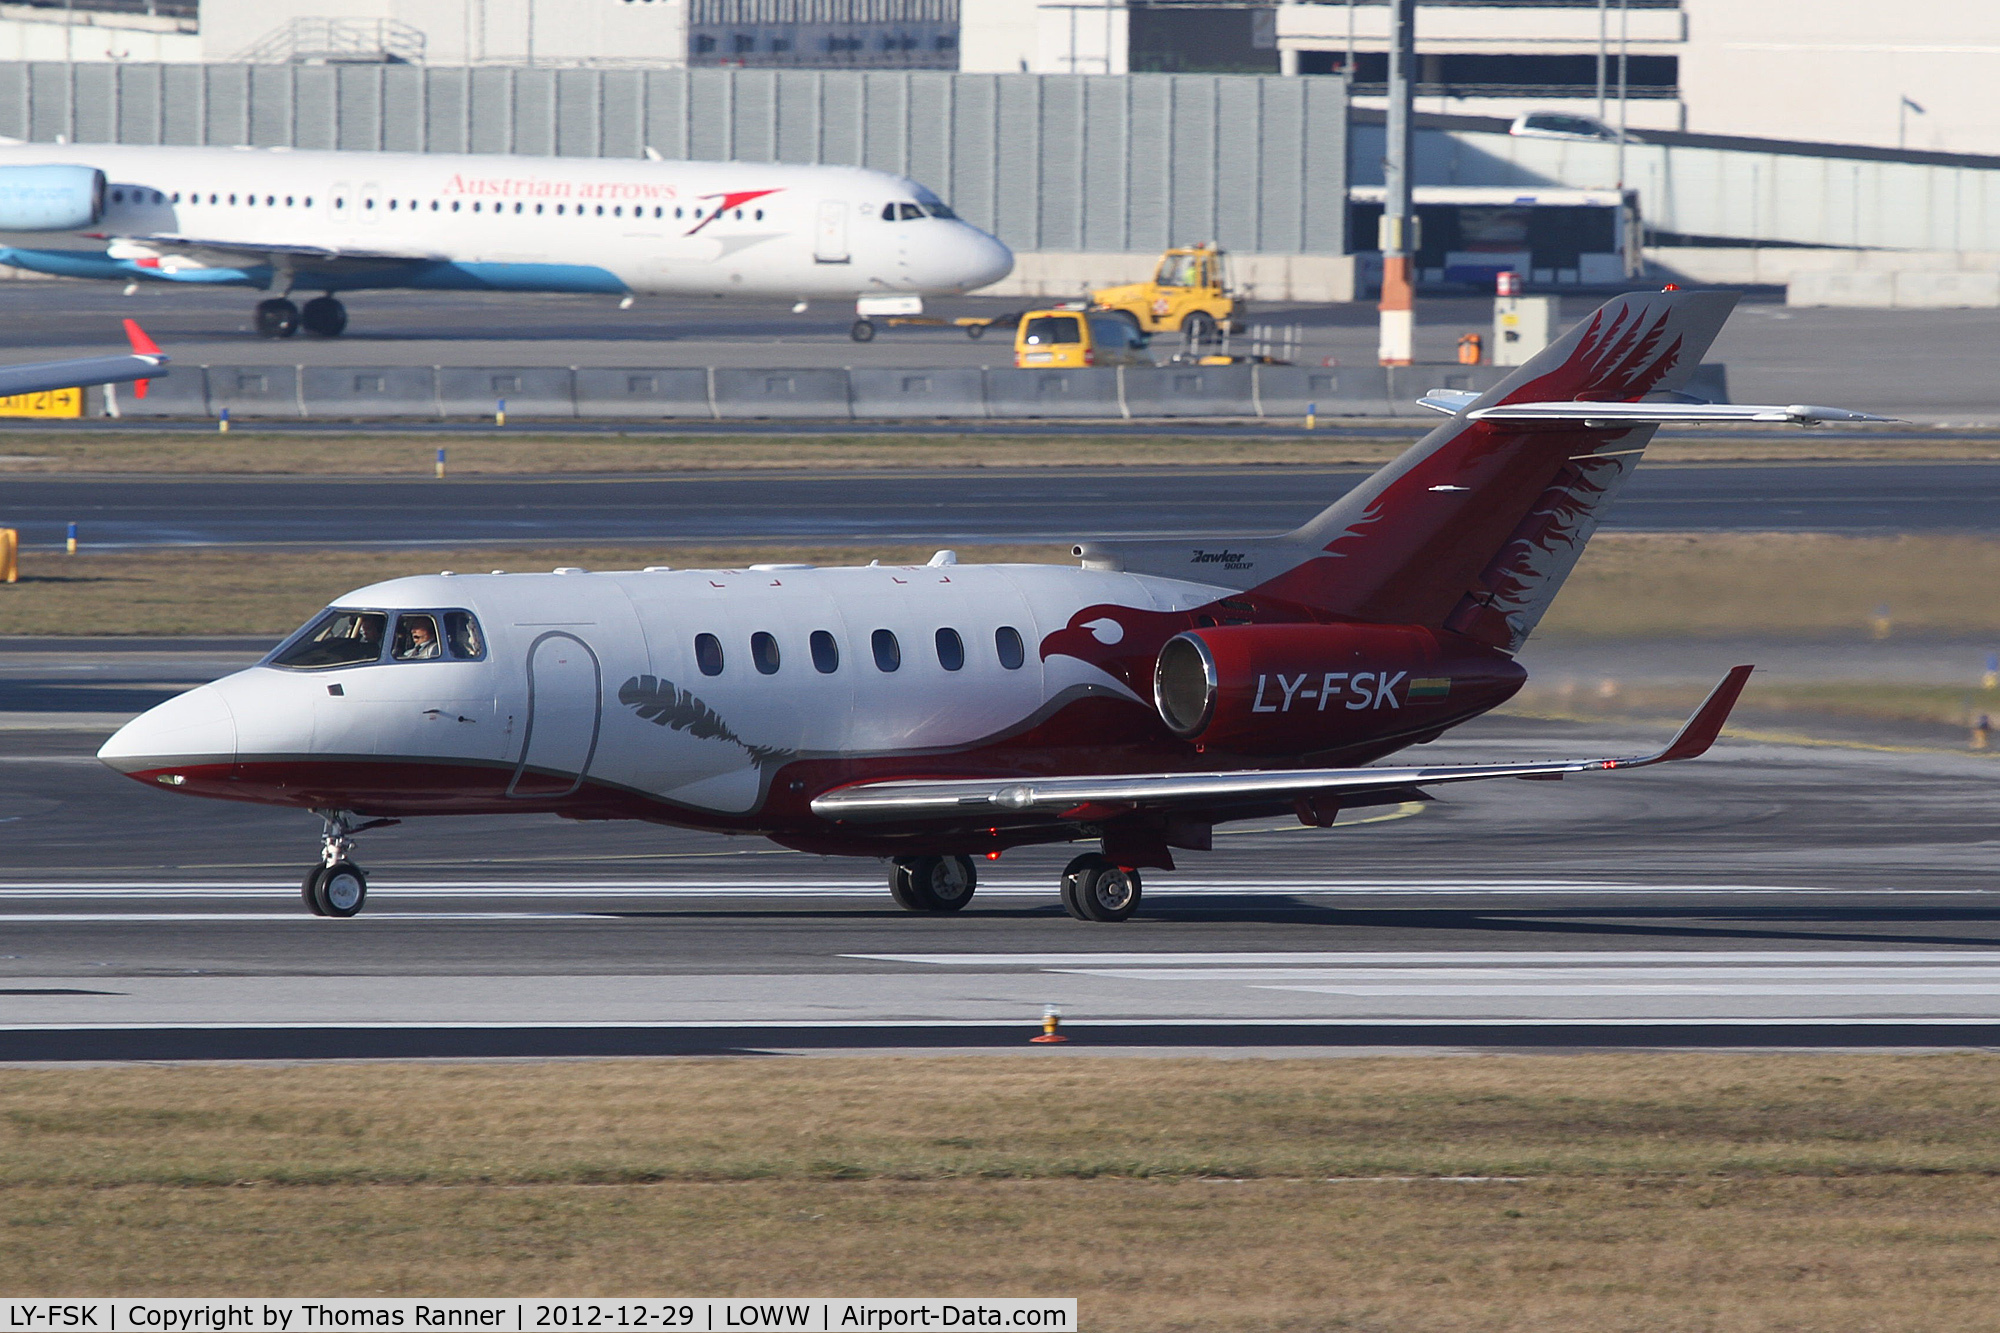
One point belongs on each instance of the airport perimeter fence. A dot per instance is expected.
(601, 393)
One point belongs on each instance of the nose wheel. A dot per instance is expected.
(337, 886)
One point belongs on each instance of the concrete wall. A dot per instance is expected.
(1046, 162)
(30, 32)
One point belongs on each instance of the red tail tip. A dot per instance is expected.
(142, 344)
(1671, 287)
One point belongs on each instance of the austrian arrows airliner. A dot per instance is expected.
(329, 222)
(933, 714)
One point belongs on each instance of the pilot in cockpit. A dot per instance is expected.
(416, 639)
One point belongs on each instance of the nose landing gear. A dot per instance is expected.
(336, 886)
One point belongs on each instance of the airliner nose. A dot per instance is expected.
(987, 260)
(195, 730)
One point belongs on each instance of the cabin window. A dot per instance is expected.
(618, 211)
(309, 201)
(950, 650)
(454, 204)
(338, 638)
(888, 653)
(232, 198)
(416, 638)
(825, 653)
(368, 203)
(739, 215)
(338, 203)
(600, 210)
(677, 212)
(462, 636)
(118, 196)
(270, 201)
(1007, 643)
(708, 654)
(177, 196)
(392, 203)
(764, 653)
(288, 201)
(760, 215)
(538, 210)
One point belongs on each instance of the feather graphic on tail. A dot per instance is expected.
(665, 704)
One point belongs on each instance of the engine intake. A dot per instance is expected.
(1300, 689)
(50, 198)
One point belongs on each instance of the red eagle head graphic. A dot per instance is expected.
(730, 199)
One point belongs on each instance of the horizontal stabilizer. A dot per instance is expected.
(1669, 414)
(997, 799)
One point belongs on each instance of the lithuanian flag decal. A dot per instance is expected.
(1429, 687)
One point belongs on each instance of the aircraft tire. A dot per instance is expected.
(1103, 892)
(309, 890)
(342, 890)
(324, 317)
(277, 318)
(1072, 882)
(900, 887)
(863, 331)
(936, 883)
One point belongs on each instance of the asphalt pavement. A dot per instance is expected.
(983, 505)
(1922, 365)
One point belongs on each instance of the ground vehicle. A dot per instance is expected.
(1066, 339)
(1188, 293)
(1559, 125)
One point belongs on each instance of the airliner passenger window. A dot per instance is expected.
(416, 638)
(461, 635)
(708, 654)
(950, 649)
(826, 653)
(764, 653)
(888, 653)
(1007, 643)
(338, 638)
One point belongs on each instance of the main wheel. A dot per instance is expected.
(863, 331)
(1096, 890)
(325, 317)
(975, 331)
(1199, 327)
(341, 891)
(309, 889)
(277, 318)
(934, 883)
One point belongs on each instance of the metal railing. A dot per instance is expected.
(336, 41)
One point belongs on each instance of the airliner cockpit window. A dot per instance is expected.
(938, 210)
(416, 638)
(911, 211)
(338, 638)
(461, 635)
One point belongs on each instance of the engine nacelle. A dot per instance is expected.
(1300, 689)
(50, 198)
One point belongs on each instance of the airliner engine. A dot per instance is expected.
(1300, 689)
(50, 198)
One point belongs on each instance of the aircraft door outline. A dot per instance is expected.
(830, 233)
(528, 726)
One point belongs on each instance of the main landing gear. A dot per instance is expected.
(1094, 887)
(336, 886)
(1097, 889)
(323, 317)
(932, 883)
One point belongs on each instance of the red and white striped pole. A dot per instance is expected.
(1398, 237)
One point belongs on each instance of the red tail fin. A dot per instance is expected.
(142, 345)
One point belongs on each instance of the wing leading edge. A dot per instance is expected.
(881, 802)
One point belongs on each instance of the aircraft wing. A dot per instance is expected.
(41, 376)
(203, 250)
(1100, 797)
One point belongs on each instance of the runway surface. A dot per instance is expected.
(1776, 893)
(945, 506)
(1928, 365)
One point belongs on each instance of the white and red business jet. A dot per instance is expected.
(933, 714)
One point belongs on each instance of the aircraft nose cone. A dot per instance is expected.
(988, 261)
(195, 730)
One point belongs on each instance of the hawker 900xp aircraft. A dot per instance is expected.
(937, 713)
(333, 222)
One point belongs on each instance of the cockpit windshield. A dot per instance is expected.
(338, 638)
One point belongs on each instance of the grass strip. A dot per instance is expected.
(1626, 586)
(1649, 1192)
(246, 450)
